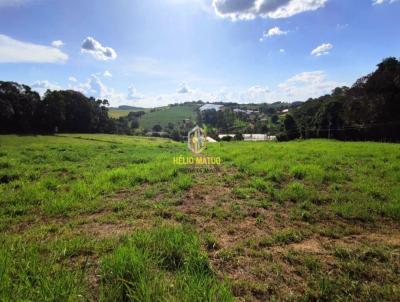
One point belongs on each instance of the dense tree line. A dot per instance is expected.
(369, 110)
(24, 111)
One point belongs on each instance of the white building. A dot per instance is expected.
(237, 110)
(221, 136)
(259, 137)
(251, 137)
(211, 107)
(248, 112)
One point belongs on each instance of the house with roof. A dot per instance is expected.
(211, 107)
(259, 137)
(248, 112)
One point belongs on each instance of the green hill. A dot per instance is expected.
(116, 112)
(171, 114)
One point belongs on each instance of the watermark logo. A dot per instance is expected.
(197, 140)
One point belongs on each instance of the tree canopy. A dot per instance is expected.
(369, 110)
(24, 111)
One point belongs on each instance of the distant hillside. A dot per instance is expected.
(177, 112)
(126, 107)
(117, 112)
(172, 114)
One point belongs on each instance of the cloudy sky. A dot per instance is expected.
(155, 52)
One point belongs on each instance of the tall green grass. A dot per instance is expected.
(359, 180)
(28, 274)
(162, 264)
(63, 197)
(67, 173)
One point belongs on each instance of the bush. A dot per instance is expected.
(238, 136)
(226, 139)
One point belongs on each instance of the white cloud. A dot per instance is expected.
(323, 49)
(72, 79)
(250, 9)
(91, 87)
(99, 90)
(256, 93)
(107, 74)
(275, 31)
(299, 87)
(183, 88)
(95, 87)
(282, 50)
(44, 85)
(305, 85)
(57, 43)
(342, 26)
(14, 51)
(377, 2)
(98, 51)
(134, 94)
(259, 89)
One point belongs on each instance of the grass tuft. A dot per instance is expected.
(140, 269)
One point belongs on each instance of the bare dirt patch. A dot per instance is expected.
(259, 273)
(310, 245)
(104, 230)
(368, 238)
(203, 195)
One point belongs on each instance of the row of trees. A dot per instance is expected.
(24, 111)
(369, 110)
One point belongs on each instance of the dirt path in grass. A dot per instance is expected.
(235, 229)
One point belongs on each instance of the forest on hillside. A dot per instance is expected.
(369, 110)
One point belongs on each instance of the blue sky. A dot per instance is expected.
(155, 52)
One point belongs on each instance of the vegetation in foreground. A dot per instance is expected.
(105, 217)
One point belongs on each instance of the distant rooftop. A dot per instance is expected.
(245, 111)
(211, 107)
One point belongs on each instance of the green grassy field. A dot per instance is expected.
(116, 113)
(163, 116)
(111, 218)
